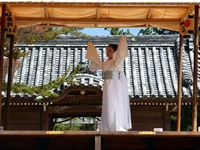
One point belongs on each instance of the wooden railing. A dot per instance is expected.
(92, 140)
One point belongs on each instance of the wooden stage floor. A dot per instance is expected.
(94, 140)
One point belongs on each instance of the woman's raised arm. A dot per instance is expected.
(122, 51)
(92, 55)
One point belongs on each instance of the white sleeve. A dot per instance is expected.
(93, 66)
(92, 55)
(122, 51)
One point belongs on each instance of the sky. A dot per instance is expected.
(102, 32)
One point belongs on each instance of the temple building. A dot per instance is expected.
(151, 70)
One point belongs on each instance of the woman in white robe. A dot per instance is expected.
(116, 114)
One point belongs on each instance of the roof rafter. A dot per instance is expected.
(149, 15)
(47, 14)
(97, 15)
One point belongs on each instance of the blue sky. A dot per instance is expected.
(101, 31)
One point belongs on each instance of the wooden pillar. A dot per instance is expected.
(178, 125)
(3, 20)
(10, 67)
(195, 75)
(166, 118)
(45, 119)
(9, 83)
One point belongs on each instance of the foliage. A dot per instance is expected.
(156, 31)
(46, 90)
(38, 33)
(118, 31)
(17, 53)
(74, 126)
(35, 34)
(186, 118)
(63, 127)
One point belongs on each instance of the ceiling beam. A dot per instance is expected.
(86, 20)
(101, 5)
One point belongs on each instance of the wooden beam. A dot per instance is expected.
(86, 20)
(3, 20)
(178, 125)
(164, 101)
(102, 5)
(10, 68)
(195, 76)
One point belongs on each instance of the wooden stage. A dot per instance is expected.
(92, 140)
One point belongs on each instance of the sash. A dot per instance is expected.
(111, 74)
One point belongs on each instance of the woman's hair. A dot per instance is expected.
(113, 46)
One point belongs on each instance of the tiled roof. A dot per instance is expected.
(151, 67)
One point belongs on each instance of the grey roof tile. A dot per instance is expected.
(151, 67)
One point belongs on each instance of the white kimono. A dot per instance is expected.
(116, 114)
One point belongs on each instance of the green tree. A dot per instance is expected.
(35, 34)
(156, 31)
(118, 31)
(63, 125)
(47, 89)
(17, 53)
